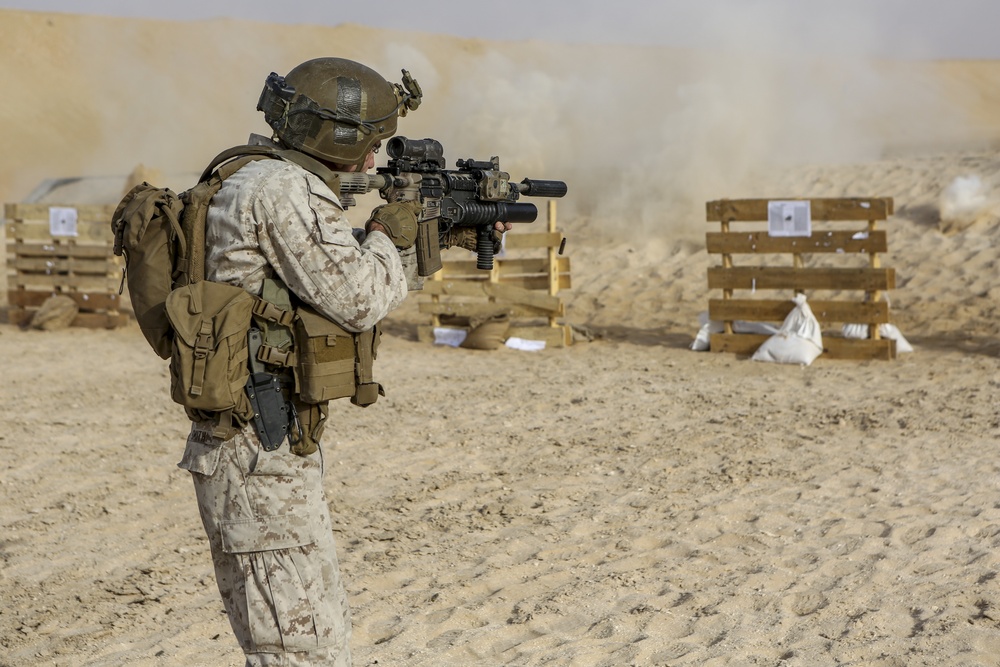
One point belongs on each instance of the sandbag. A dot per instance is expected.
(798, 341)
(488, 333)
(889, 331)
(56, 313)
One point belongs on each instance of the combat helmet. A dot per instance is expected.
(335, 109)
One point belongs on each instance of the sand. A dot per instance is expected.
(624, 501)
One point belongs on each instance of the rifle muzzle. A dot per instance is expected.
(535, 188)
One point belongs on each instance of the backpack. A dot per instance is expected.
(201, 326)
(147, 229)
(162, 235)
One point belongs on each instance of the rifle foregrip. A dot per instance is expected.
(536, 188)
(428, 248)
(484, 248)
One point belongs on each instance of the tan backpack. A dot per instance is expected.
(202, 326)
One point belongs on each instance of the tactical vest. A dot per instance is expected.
(236, 358)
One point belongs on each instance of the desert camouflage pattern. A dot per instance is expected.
(269, 528)
(275, 214)
(265, 513)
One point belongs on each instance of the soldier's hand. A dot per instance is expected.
(397, 220)
(465, 237)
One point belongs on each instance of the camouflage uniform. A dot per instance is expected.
(265, 512)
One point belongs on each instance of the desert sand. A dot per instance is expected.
(623, 501)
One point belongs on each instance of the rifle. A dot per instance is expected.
(477, 194)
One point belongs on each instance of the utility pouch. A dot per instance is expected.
(365, 351)
(208, 364)
(333, 362)
(307, 429)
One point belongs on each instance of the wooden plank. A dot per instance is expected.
(517, 241)
(87, 232)
(40, 212)
(112, 320)
(776, 310)
(513, 293)
(537, 283)
(526, 295)
(820, 278)
(506, 267)
(828, 209)
(101, 251)
(833, 347)
(480, 309)
(859, 349)
(63, 265)
(464, 288)
(745, 344)
(52, 283)
(734, 243)
(85, 300)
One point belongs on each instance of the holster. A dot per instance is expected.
(272, 412)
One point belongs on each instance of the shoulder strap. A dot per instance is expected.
(234, 152)
(307, 162)
(191, 267)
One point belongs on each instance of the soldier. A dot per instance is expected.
(278, 230)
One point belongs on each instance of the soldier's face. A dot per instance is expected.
(369, 159)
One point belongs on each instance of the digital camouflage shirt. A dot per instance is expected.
(275, 216)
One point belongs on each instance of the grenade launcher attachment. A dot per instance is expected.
(477, 194)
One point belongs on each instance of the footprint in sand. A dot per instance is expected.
(808, 602)
(445, 639)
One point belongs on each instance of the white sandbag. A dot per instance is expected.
(885, 330)
(702, 341)
(798, 341)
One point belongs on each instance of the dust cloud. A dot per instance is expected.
(967, 201)
(646, 136)
(643, 136)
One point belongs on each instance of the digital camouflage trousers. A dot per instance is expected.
(272, 544)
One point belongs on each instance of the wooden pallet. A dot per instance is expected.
(836, 294)
(525, 283)
(83, 267)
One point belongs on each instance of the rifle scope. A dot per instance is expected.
(420, 150)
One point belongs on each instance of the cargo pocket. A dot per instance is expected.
(201, 453)
(289, 586)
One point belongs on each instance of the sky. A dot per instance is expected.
(902, 29)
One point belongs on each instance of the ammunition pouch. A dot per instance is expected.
(333, 362)
(208, 363)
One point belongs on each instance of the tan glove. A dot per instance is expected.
(398, 220)
(465, 237)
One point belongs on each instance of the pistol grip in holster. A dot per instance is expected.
(272, 413)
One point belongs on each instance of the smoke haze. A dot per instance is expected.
(643, 135)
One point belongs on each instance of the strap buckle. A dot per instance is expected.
(270, 312)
